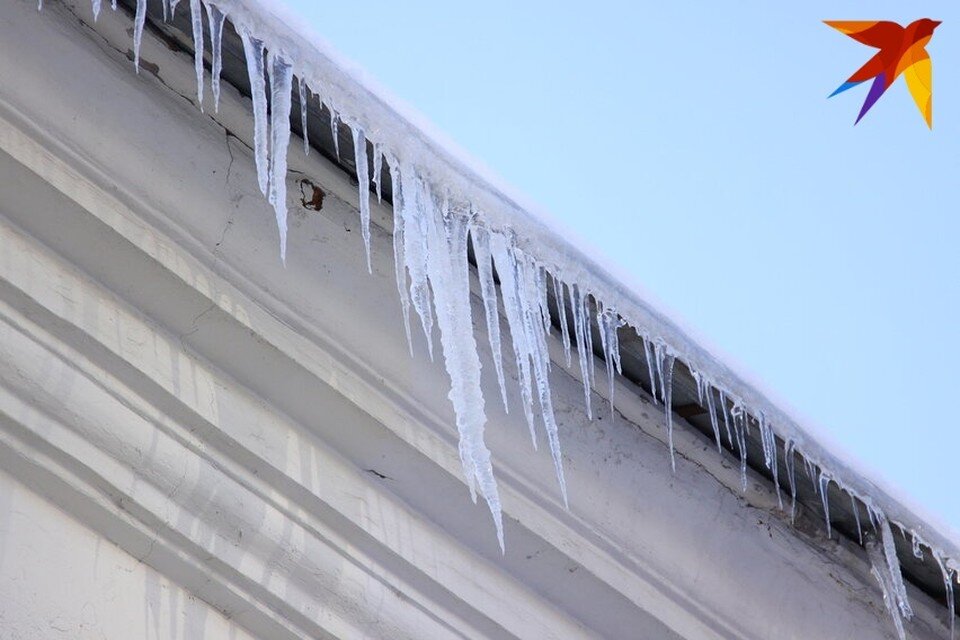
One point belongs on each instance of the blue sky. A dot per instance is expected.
(694, 145)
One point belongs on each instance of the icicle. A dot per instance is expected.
(856, 517)
(253, 50)
(893, 563)
(96, 10)
(335, 131)
(664, 364)
(39, 5)
(882, 573)
(377, 163)
(705, 391)
(648, 355)
(281, 87)
(363, 184)
(304, 107)
(540, 280)
(166, 10)
(609, 322)
(173, 8)
(506, 264)
(740, 425)
(138, 21)
(714, 420)
(196, 19)
(415, 250)
(946, 572)
(518, 284)
(790, 463)
(658, 362)
(527, 271)
(447, 270)
(666, 382)
(488, 291)
(769, 441)
(216, 18)
(726, 416)
(588, 337)
(824, 497)
(560, 295)
(584, 351)
(399, 259)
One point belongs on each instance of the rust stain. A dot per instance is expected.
(311, 196)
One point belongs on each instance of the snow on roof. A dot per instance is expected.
(440, 195)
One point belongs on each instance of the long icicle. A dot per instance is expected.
(883, 576)
(648, 356)
(216, 18)
(448, 272)
(584, 349)
(529, 284)
(255, 54)
(893, 563)
(196, 19)
(399, 259)
(138, 22)
(416, 252)
(281, 86)
(789, 461)
(363, 185)
(506, 264)
(769, 440)
(666, 384)
(740, 426)
(824, 497)
(488, 291)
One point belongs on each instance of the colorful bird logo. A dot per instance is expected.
(901, 52)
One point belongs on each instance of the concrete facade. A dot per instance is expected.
(196, 442)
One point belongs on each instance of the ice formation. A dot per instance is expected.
(880, 571)
(196, 21)
(439, 202)
(281, 84)
(215, 19)
(138, 22)
(488, 291)
(363, 180)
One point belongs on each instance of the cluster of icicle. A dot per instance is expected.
(431, 230)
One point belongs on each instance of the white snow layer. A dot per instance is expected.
(439, 199)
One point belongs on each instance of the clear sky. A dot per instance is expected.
(692, 142)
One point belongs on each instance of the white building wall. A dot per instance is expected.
(175, 402)
(59, 580)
